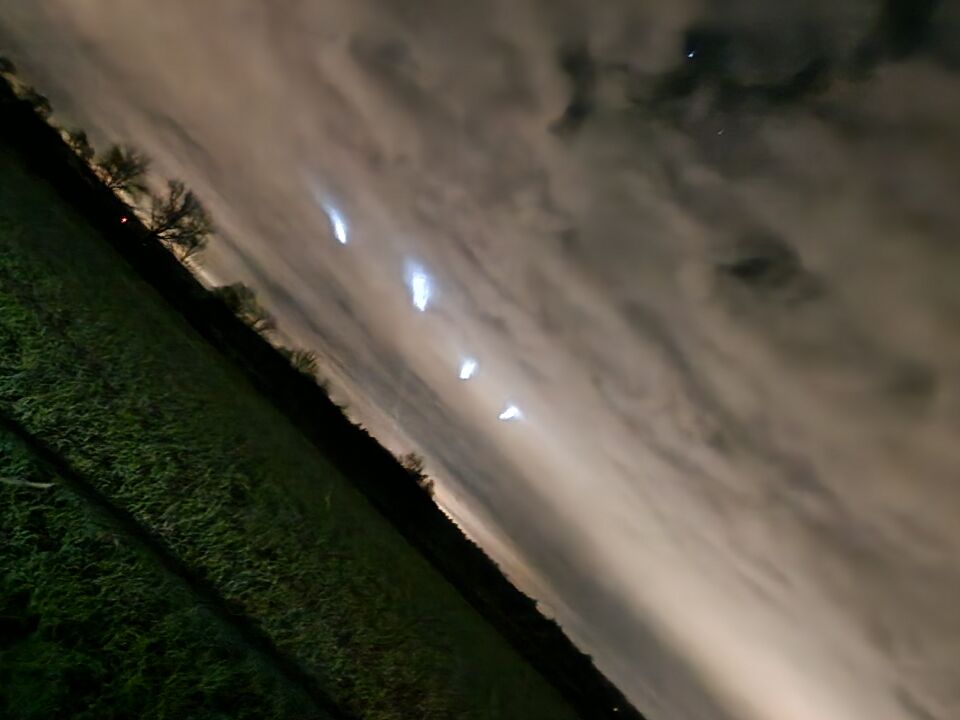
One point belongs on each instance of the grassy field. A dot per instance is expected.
(89, 628)
(94, 364)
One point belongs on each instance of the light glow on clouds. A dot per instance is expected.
(511, 412)
(337, 223)
(420, 290)
(468, 368)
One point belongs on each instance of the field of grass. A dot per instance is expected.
(89, 628)
(94, 364)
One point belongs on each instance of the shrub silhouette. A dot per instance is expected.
(78, 140)
(414, 465)
(242, 301)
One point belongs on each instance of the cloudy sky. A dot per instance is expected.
(708, 250)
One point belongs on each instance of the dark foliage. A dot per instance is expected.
(78, 140)
(124, 169)
(304, 361)
(414, 465)
(242, 301)
(39, 102)
(179, 220)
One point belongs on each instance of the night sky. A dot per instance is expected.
(706, 250)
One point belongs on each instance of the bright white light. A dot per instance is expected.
(512, 412)
(467, 368)
(338, 224)
(420, 288)
(691, 54)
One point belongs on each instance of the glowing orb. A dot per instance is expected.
(468, 368)
(512, 412)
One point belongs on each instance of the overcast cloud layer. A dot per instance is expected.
(708, 248)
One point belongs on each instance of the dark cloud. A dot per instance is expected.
(743, 62)
(579, 67)
(903, 29)
(769, 267)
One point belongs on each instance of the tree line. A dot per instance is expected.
(177, 218)
(173, 215)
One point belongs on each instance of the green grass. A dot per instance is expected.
(94, 364)
(90, 629)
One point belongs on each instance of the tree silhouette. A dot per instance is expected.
(242, 301)
(124, 169)
(414, 465)
(303, 360)
(78, 140)
(40, 103)
(179, 220)
(6, 66)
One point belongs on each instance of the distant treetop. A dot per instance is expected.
(123, 169)
(243, 302)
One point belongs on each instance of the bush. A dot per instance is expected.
(414, 465)
(243, 302)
